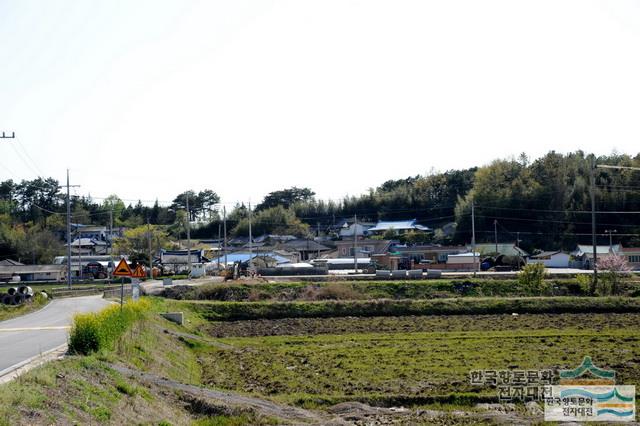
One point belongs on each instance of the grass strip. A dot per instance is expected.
(231, 311)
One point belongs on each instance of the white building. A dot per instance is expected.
(463, 261)
(551, 259)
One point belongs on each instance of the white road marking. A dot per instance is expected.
(62, 327)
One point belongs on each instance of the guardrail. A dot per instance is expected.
(62, 292)
(113, 292)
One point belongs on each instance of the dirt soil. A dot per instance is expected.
(408, 324)
(262, 406)
(347, 413)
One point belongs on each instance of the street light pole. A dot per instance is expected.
(250, 240)
(150, 250)
(610, 231)
(224, 225)
(68, 234)
(592, 186)
(355, 243)
(188, 237)
(473, 236)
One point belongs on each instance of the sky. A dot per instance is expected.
(147, 99)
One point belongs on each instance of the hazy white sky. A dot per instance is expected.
(149, 98)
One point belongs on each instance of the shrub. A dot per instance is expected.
(336, 291)
(584, 281)
(532, 277)
(93, 332)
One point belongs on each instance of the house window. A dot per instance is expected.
(344, 250)
(634, 259)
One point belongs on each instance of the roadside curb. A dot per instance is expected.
(9, 374)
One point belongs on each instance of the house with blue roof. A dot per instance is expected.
(271, 259)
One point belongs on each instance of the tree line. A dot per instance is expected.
(540, 204)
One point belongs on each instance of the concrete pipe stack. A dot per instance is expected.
(16, 295)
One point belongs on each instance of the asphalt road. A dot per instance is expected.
(31, 335)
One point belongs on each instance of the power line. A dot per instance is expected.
(24, 161)
(29, 157)
(520, 219)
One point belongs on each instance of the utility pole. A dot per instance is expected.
(318, 235)
(495, 233)
(188, 236)
(68, 233)
(150, 250)
(219, 244)
(592, 186)
(79, 236)
(355, 243)
(112, 266)
(473, 236)
(250, 238)
(224, 222)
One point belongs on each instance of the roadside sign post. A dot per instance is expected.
(135, 289)
(122, 270)
(138, 273)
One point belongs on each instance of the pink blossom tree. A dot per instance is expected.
(616, 268)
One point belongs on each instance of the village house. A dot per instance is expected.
(463, 261)
(306, 248)
(361, 229)
(178, 260)
(89, 247)
(427, 256)
(584, 253)
(632, 255)
(29, 273)
(364, 248)
(398, 227)
(506, 249)
(551, 259)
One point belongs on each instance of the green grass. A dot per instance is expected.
(404, 368)
(363, 290)
(86, 390)
(325, 353)
(32, 393)
(230, 311)
(146, 347)
(234, 420)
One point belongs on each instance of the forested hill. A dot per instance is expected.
(544, 203)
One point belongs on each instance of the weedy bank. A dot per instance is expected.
(35, 303)
(104, 386)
